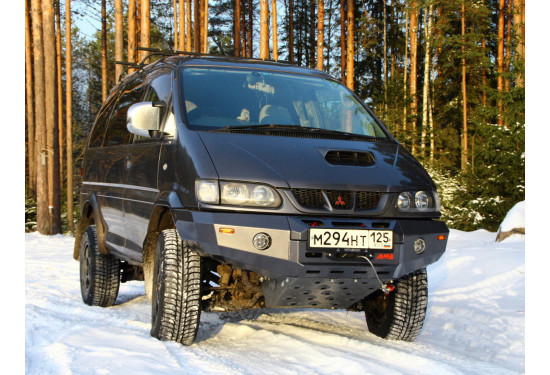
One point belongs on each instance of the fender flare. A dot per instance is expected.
(90, 206)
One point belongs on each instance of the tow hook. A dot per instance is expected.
(387, 288)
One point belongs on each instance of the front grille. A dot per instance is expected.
(338, 199)
(368, 200)
(309, 198)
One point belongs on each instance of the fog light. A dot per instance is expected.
(261, 241)
(419, 246)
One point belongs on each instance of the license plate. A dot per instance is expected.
(350, 238)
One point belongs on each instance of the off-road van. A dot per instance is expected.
(229, 184)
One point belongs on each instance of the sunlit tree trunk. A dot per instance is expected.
(181, 41)
(145, 34)
(104, 83)
(405, 70)
(197, 27)
(320, 33)
(519, 37)
(131, 32)
(119, 55)
(204, 24)
(428, 17)
(413, 72)
(350, 52)
(237, 28)
(42, 211)
(175, 30)
(31, 150)
(264, 29)
(189, 37)
(52, 129)
(275, 35)
(464, 142)
(500, 59)
(69, 112)
(59, 81)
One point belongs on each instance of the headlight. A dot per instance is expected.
(237, 194)
(418, 201)
(404, 201)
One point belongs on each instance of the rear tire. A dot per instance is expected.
(400, 314)
(176, 290)
(99, 273)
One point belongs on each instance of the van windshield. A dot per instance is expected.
(222, 98)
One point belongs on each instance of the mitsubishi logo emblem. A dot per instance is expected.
(340, 201)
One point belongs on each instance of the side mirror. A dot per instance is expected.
(143, 119)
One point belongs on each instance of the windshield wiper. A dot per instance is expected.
(296, 128)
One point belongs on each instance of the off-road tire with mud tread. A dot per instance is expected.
(99, 273)
(176, 296)
(400, 314)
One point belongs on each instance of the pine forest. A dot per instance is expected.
(447, 78)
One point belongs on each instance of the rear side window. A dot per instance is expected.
(117, 133)
(96, 139)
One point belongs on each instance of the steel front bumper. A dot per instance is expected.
(302, 278)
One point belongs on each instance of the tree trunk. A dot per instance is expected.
(42, 212)
(181, 41)
(237, 28)
(250, 27)
(69, 112)
(145, 34)
(405, 64)
(464, 142)
(59, 87)
(291, 30)
(204, 23)
(264, 29)
(189, 37)
(119, 44)
(52, 130)
(104, 83)
(320, 33)
(350, 52)
(413, 73)
(275, 35)
(385, 53)
(131, 32)
(31, 149)
(197, 27)
(343, 39)
(244, 30)
(175, 29)
(500, 59)
(519, 37)
(428, 16)
(508, 49)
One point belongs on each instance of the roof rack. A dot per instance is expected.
(166, 52)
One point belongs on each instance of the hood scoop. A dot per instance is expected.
(352, 158)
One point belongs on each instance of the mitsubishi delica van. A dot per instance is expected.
(229, 184)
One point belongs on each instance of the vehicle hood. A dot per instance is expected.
(292, 162)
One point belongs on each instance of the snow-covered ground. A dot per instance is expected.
(475, 324)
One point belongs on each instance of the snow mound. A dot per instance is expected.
(513, 223)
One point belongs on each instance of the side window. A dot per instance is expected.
(96, 139)
(117, 132)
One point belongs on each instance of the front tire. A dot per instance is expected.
(176, 290)
(399, 315)
(99, 273)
